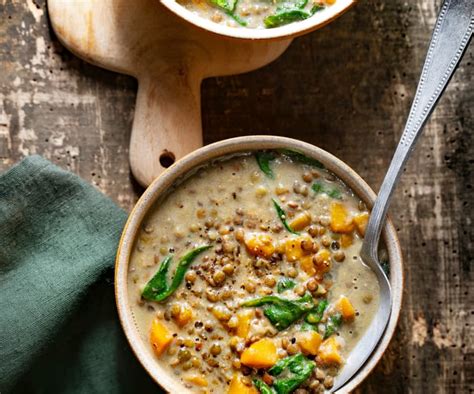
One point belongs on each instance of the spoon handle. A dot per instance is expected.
(452, 33)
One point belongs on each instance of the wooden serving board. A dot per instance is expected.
(168, 56)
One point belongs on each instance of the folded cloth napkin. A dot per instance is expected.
(59, 330)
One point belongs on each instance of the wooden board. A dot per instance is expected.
(346, 88)
(168, 56)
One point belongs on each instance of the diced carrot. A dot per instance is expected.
(238, 387)
(341, 220)
(346, 308)
(160, 337)
(301, 221)
(261, 354)
(361, 221)
(260, 245)
(197, 379)
(309, 342)
(329, 353)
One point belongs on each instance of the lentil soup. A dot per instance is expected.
(256, 14)
(246, 276)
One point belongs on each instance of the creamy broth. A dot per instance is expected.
(202, 333)
(256, 14)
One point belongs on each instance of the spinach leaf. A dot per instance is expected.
(334, 322)
(301, 158)
(281, 365)
(262, 387)
(157, 288)
(263, 161)
(229, 6)
(226, 5)
(316, 315)
(318, 187)
(285, 284)
(280, 311)
(300, 368)
(288, 5)
(285, 17)
(316, 8)
(157, 285)
(237, 18)
(305, 326)
(282, 215)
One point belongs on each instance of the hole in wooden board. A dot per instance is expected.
(167, 159)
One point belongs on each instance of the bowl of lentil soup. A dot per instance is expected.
(259, 19)
(238, 270)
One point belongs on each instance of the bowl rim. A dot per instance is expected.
(222, 148)
(290, 30)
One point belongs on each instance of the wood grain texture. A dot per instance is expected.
(346, 88)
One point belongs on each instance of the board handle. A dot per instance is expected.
(167, 123)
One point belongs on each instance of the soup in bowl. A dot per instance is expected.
(239, 270)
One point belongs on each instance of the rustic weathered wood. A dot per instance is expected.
(346, 88)
(168, 56)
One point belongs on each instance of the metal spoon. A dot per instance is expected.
(451, 36)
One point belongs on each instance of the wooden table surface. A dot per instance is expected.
(346, 88)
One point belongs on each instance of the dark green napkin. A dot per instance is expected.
(59, 330)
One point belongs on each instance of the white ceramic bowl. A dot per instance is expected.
(200, 157)
(294, 29)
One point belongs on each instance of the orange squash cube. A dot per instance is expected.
(261, 354)
(323, 261)
(329, 353)
(293, 249)
(346, 240)
(307, 265)
(238, 387)
(361, 221)
(185, 315)
(260, 245)
(341, 220)
(197, 379)
(160, 337)
(309, 342)
(301, 221)
(243, 325)
(346, 308)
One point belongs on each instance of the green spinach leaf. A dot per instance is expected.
(282, 216)
(300, 369)
(284, 17)
(262, 387)
(285, 284)
(282, 312)
(316, 315)
(318, 187)
(334, 322)
(263, 161)
(229, 7)
(316, 8)
(226, 5)
(301, 158)
(157, 288)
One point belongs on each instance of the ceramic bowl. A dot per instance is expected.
(199, 157)
(295, 29)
